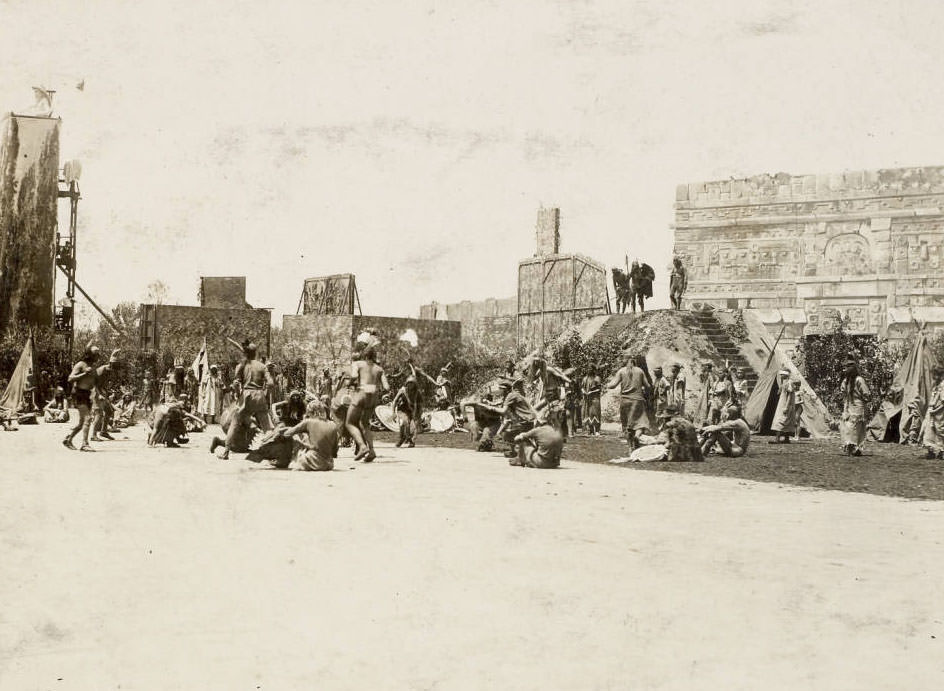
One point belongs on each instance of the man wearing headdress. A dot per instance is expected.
(84, 377)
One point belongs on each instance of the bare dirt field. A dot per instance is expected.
(439, 568)
(886, 469)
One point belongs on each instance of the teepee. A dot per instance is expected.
(15, 394)
(814, 418)
(913, 380)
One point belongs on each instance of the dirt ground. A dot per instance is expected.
(885, 469)
(439, 568)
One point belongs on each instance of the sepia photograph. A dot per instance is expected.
(426, 345)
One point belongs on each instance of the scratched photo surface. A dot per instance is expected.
(474, 259)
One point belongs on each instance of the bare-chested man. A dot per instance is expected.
(255, 380)
(371, 381)
(83, 378)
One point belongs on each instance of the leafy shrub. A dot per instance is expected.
(821, 358)
(569, 350)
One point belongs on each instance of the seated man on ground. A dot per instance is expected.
(273, 446)
(681, 439)
(168, 427)
(126, 411)
(319, 447)
(539, 447)
(732, 435)
(57, 410)
(518, 415)
(239, 428)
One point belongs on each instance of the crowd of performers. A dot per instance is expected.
(652, 410)
(533, 409)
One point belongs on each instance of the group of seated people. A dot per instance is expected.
(303, 438)
(506, 413)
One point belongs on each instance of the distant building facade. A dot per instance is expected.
(807, 249)
(491, 322)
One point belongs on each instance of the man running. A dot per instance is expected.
(84, 377)
(371, 382)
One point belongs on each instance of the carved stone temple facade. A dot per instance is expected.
(804, 249)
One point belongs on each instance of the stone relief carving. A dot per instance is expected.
(848, 255)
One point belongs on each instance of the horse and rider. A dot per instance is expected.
(635, 284)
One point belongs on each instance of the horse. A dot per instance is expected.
(622, 289)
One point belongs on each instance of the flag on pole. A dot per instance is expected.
(201, 363)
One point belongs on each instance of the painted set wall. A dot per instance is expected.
(180, 330)
(29, 174)
(554, 293)
(223, 292)
(326, 341)
(855, 244)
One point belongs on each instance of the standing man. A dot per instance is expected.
(678, 283)
(631, 381)
(855, 396)
(784, 422)
(84, 377)
(676, 381)
(254, 380)
(325, 388)
(661, 388)
(592, 387)
(211, 398)
(406, 404)
(371, 383)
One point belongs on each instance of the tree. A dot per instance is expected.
(821, 359)
(157, 292)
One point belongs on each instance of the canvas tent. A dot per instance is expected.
(913, 380)
(759, 408)
(15, 395)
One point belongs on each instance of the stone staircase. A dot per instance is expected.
(709, 325)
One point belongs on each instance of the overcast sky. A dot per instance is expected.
(411, 143)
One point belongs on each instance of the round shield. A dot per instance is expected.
(653, 452)
(387, 417)
(441, 421)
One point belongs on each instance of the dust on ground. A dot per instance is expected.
(443, 568)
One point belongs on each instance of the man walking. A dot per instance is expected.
(84, 377)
